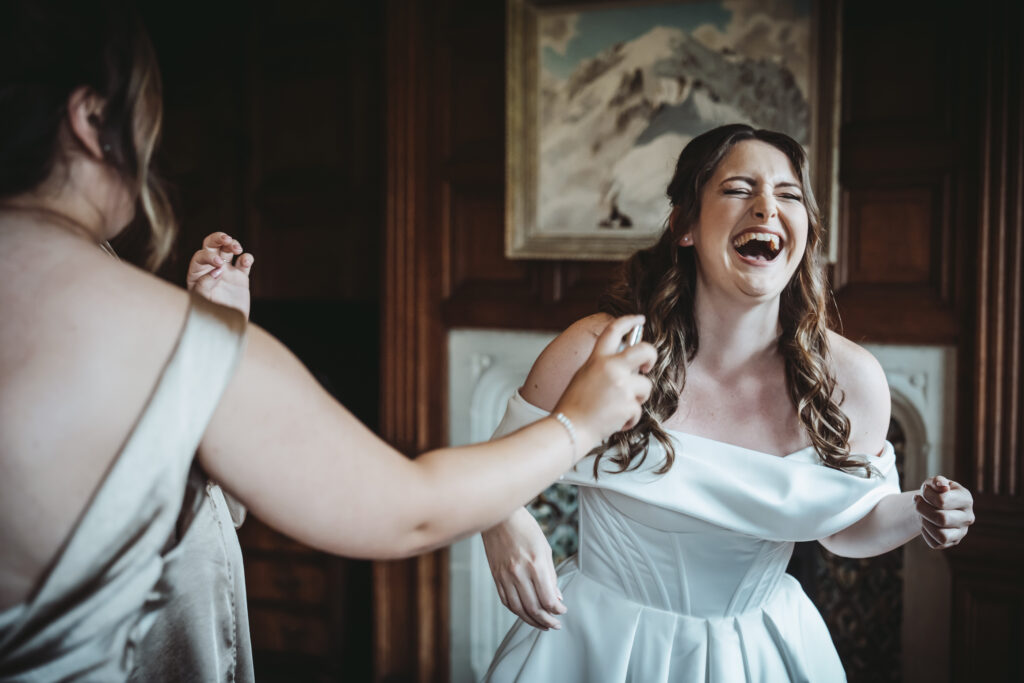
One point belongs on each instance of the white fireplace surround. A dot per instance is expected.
(486, 366)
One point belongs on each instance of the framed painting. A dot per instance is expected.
(602, 97)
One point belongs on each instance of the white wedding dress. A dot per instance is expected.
(681, 576)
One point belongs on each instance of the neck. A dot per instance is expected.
(734, 334)
(62, 206)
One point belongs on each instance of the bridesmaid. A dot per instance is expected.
(119, 555)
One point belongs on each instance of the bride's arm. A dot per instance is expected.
(941, 511)
(518, 554)
(306, 466)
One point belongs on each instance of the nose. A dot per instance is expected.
(765, 207)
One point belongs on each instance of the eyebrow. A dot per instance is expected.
(751, 181)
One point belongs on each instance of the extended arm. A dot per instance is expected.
(306, 466)
(941, 512)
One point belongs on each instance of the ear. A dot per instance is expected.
(85, 111)
(686, 239)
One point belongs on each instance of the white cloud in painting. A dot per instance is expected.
(764, 29)
(556, 31)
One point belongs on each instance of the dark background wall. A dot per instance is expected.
(358, 151)
(273, 133)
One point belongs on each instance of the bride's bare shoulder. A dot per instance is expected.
(864, 392)
(557, 364)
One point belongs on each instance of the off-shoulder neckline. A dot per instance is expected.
(707, 439)
(686, 435)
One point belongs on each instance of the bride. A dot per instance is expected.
(764, 428)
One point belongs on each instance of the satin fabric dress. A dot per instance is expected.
(149, 584)
(681, 576)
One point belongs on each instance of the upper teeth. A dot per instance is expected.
(773, 240)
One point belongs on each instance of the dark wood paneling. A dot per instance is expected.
(410, 597)
(894, 228)
(897, 66)
(896, 273)
(988, 603)
(272, 133)
(989, 565)
(998, 445)
(313, 178)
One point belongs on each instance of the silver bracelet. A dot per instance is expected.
(567, 423)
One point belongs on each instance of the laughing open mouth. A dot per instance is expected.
(757, 245)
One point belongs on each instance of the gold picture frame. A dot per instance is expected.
(543, 222)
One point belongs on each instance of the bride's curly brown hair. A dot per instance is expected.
(660, 282)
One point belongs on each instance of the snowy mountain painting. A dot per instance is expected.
(623, 89)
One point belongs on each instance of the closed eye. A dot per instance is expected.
(792, 197)
(738, 191)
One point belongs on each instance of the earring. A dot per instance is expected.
(686, 239)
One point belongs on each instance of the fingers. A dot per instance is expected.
(943, 518)
(245, 262)
(222, 245)
(531, 593)
(529, 609)
(929, 537)
(946, 494)
(215, 240)
(545, 586)
(516, 607)
(205, 262)
(946, 509)
(938, 537)
(641, 386)
(526, 585)
(609, 341)
(643, 356)
(205, 284)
